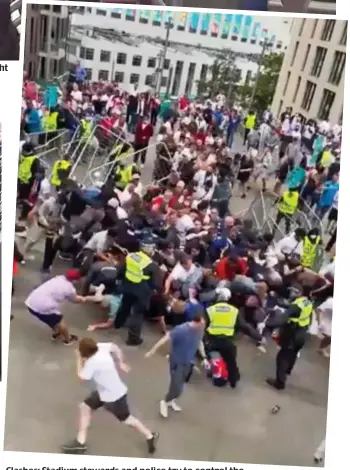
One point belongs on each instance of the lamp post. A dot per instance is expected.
(258, 73)
(163, 57)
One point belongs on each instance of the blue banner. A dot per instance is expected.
(237, 25)
(205, 23)
(194, 21)
(248, 21)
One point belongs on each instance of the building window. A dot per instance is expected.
(130, 15)
(56, 9)
(295, 53)
(337, 68)
(137, 60)
(306, 57)
(121, 58)
(89, 10)
(317, 66)
(344, 35)
(116, 14)
(151, 62)
(286, 84)
(314, 28)
(164, 81)
(167, 64)
(149, 80)
(103, 75)
(181, 27)
(87, 53)
(326, 105)
(100, 12)
(296, 89)
(234, 37)
(72, 49)
(88, 74)
(302, 24)
(309, 94)
(134, 78)
(105, 56)
(328, 29)
(119, 77)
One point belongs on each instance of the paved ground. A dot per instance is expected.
(216, 424)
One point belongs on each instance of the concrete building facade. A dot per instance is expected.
(125, 45)
(312, 77)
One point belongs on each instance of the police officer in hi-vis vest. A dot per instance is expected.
(287, 207)
(140, 278)
(221, 327)
(292, 336)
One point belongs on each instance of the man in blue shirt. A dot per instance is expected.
(185, 340)
(329, 191)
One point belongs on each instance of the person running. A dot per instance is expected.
(101, 362)
(44, 303)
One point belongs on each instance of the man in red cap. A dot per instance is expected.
(44, 303)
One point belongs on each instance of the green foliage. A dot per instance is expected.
(267, 83)
(224, 77)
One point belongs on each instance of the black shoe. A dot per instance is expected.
(243, 196)
(134, 341)
(12, 317)
(273, 383)
(151, 443)
(55, 336)
(74, 447)
(317, 460)
(71, 340)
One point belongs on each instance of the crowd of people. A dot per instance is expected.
(175, 251)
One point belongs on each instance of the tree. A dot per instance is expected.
(223, 77)
(267, 83)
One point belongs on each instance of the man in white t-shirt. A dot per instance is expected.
(101, 362)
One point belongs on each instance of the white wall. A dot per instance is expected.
(278, 26)
(147, 50)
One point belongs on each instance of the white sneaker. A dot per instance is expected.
(163, 409)
(175, 406)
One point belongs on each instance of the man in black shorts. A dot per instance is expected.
(97, 362)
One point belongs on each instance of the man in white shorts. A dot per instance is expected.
(99, 362)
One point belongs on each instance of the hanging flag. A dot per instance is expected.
(145, 15)
(130, 14)
(205, 23)
(182, 19)
(157, 17)
(237, 25)
(248, 21)
(256, 31)
(215, 24)
(227, 25)
(194, 21)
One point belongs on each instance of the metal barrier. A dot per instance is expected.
(44, 140)
(104, 171)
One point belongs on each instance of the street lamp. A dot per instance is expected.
(168, 26)
(265, 46)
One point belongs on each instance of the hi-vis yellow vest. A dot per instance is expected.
(326, 159)
(306, 307)
(223, 319)
(25, 168)
(59, 165)
(86, 127)
(135, 265)
(126, 174)
(289, 202)
(309, 252)
(50, 122)
(250, 121)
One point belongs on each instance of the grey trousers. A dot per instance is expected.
(178, 376)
